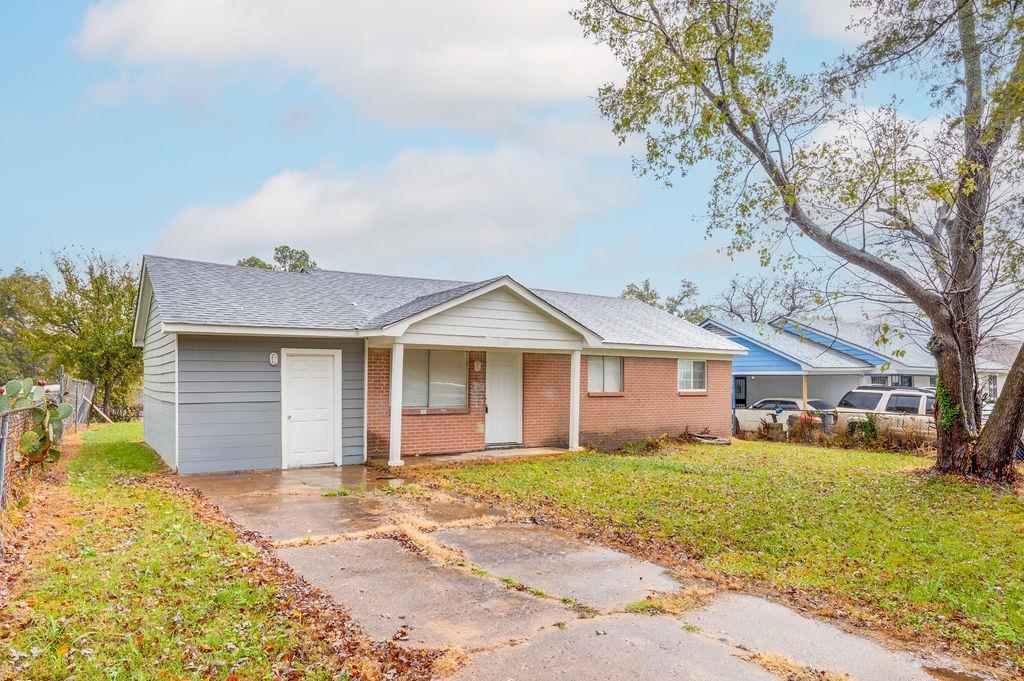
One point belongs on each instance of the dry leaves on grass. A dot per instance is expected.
(787, 669)
(315, 610)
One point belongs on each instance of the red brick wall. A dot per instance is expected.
(441, 432)
(545, 400)
(650, 404)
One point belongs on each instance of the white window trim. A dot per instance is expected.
(692, 391)
(427, 406)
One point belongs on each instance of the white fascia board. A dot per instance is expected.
(230, 330)
(627, 350)
(439, 341)
(399, 328)
(755, 374)
(144, 287)
(857, 371)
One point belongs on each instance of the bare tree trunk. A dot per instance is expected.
(955, 412)
(1001, 435)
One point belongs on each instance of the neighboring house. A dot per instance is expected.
(256, 369)
(783, 364)
(830, 357)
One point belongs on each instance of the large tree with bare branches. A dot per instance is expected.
(925, 219)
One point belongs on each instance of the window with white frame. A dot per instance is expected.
(604, 374)
(435, 379)
(693, 375)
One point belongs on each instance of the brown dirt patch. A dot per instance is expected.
(787, 669)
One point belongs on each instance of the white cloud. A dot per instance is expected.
(403, 61)
(425, 211)
(830, 18)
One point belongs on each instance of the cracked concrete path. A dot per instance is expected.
(617, 647)
(526, 602)
(386, 587)
(561, 565)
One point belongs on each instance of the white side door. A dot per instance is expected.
(311, 407)
(504, 421)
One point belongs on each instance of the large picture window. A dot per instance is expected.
(434, 379)
(604, 374)
(693, 375)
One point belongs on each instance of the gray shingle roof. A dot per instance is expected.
(631, 322)
(803, 350)
(191, 292)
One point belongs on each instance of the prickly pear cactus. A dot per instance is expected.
(40, 443)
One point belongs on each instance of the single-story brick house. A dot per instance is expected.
(256, 369)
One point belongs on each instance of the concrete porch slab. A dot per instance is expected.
(482, 455)
(292, 482)
(290, 517)
(618, 647)
(385, 586)
(561, 564)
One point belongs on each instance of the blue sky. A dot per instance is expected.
(460, 144)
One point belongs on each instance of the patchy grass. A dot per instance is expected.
(139, 586)
(926, 553)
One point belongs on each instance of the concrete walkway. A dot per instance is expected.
(525, 602)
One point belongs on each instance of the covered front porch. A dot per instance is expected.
(458, 403)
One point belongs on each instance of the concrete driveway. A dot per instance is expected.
(525, 602)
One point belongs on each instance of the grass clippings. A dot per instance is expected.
(788, 670)
(676, 603)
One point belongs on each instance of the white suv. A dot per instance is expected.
(895, 410)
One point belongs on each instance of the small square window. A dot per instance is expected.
(604, 374)
(693, 375)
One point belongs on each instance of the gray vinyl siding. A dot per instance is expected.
(158, 394)
(230, 401)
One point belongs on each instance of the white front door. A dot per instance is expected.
(504, 423)
(310, 407)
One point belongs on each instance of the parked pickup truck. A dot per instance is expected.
(895, 410)
(779, 410)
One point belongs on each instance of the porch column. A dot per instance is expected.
(804, 406)
(574, 400)
(397, 364)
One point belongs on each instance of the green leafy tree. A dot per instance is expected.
(925, 222)
(253, 261)
(286, 259)
(683, 304)
(85, 324)
(18, 291)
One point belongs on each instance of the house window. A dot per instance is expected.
(435, 379)
(604, 374)
(693, 375)
(879, 380)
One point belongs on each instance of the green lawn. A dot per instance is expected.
(926, 552)
(140, 587)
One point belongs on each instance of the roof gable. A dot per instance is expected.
(786, 347)
(499, 312)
